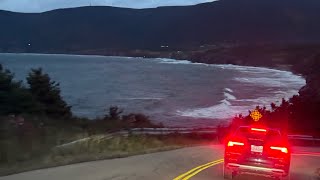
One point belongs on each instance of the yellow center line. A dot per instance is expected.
(194, 169)
(197, 170)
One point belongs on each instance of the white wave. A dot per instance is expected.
(247, 68)
(265, 77)
(226, 102)
(220, 111)
(287, 83)
(225, 110)
(142, 98)
(228, 90)
(229, 96)
(173, 61)
(279, 80)
(266, 101)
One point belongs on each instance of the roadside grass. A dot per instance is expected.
(92, 148)
(41, 142)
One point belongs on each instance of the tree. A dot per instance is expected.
(114, 113)
(14, 97)
(47, 92)
(304, 110)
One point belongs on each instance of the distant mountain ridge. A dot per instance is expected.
(36, 6)
(232, 21)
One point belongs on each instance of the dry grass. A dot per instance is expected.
(99, 147)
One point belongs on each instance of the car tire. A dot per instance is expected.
(227, 173)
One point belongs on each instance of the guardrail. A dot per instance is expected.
(305, 140)
(204, 131)
(165, 131)
(303, 137)
(293, 138)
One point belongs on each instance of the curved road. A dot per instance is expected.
(169, 165)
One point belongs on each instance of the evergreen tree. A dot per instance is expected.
(47, 92)
(14, 97)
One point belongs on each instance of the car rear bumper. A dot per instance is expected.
(247, 169)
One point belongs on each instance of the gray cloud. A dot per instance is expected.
(45, 5)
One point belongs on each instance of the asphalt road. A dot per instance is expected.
(167, 166)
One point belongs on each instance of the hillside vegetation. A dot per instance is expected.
(35, 123)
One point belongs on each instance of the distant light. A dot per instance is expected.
(29, 44)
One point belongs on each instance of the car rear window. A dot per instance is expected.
(258, 135)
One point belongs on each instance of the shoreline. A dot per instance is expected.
(287, 68)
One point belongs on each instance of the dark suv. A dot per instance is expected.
(256, 150)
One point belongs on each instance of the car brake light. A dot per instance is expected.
(232, 143)
(257, 129)
(282, 149)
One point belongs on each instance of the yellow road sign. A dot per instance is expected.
(256, 115)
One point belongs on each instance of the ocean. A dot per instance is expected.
(176, 93)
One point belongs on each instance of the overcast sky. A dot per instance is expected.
(45, 5)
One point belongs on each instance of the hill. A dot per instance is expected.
(179, 28)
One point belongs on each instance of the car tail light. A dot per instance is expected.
(282, 149)
(258, 129)
(234, 143)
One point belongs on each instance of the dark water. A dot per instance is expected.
(177, 93)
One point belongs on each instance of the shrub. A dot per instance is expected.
(114, 113)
